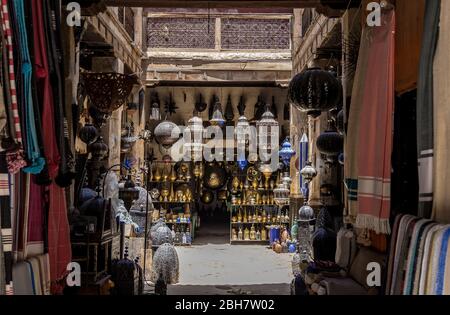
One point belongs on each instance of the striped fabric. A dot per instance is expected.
(12, 78)
(6, 226)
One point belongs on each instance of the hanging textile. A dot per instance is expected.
(441, 68)
(15, 156)
(425, 138)
(59, 247)
(369, 144)
(32, 149)
(52, 19)
(351, 149)
(408, 41)
(45, 90)
(6, 216)
(34, 236)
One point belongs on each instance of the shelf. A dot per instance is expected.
(256, 205)
(173, 202)
(178, 222)
(276, 223)
(168, 182)
(250, 242)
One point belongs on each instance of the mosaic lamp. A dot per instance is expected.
(286, 153)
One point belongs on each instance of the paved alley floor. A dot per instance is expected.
(232, 269)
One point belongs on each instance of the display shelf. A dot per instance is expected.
(273, 223)
(250, 242)
(255, 205)
(173, 202)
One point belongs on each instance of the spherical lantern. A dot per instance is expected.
(193, 136)
(98, 149)
(286, 152)
(305, 213)
(330, 143)
(166, 133)
(88, 134)
(128, 193)
(155, 227)
(308, 172)
(340, 122)
(268, 130)
(314, 91)
(163, 235)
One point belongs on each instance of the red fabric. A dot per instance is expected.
(36, 214)
(59, 248)
(45, 90)
(376, 132)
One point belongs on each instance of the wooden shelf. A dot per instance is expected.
(256, 205)
(259, 223)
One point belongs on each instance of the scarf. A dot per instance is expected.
(392, 248)
(425, 137)
(15, 157)
(413, 254)
(441, 206)
(375, 139)
(420, 257)
(426, 260)
(32, 150)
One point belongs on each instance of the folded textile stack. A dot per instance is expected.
(32, 276)
(419, 260)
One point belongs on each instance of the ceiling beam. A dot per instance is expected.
(215, 3)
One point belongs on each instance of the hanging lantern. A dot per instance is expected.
(268, 130)
(314, 91)
(305, 217)
(194, 138)
(241, 134)
(155, 108)
(108, 91)
(330, 143)
(281, 192)
(286, 153)
(308, 173)
(98, 149)
(242, 164)
(128, 193)
(99, 118)
(88, 134)
(217, 116)
(166, 133)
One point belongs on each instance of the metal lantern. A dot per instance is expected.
(305, 217)
(128, 193)
(108, 91)
(241, 134)
(155, 108)
(314, 91)
(268, 129)
(98, 149)
(194, 138)
(281, 192)
(162, 235)
(88, 134)
(308, 173)
(166, 133)
(217, 116)
(165, 266)
(330, 143)
(286, 153)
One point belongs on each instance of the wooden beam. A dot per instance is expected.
(215, 3)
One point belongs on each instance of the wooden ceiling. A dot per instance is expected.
(215, 3)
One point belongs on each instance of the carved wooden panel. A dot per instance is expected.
(240, 33)
(181, 33)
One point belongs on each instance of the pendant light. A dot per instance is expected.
(268, 128)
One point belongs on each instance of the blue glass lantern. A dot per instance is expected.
(286, 153)
(242, 164)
